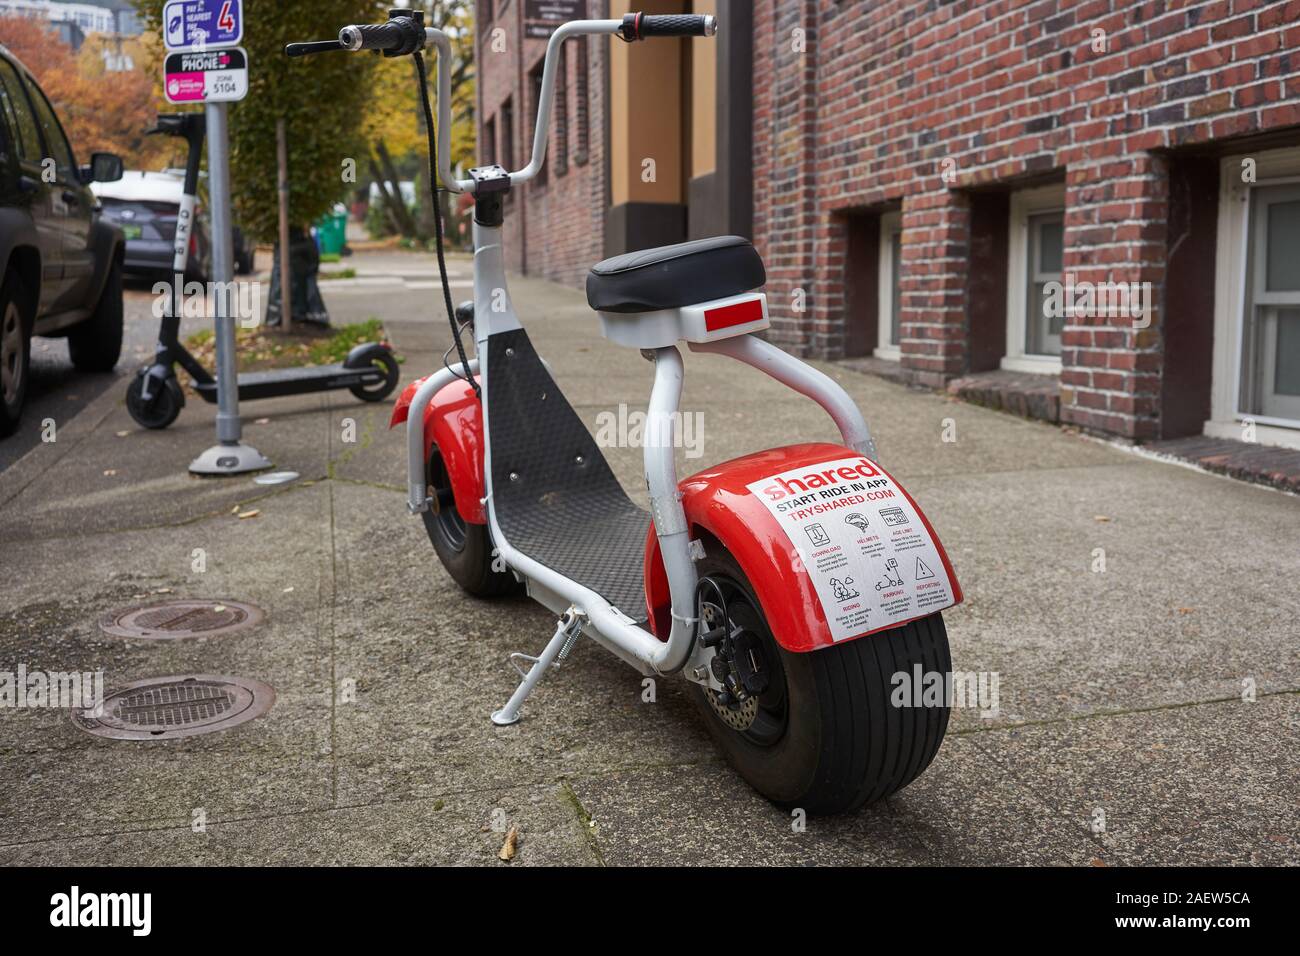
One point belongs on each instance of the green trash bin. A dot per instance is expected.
(332, 232)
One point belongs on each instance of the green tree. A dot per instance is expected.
(323, 100)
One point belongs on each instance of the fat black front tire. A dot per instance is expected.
(844, 744)
(96, 344)
(465, 550)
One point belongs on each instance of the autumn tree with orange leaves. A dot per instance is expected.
(99, 110)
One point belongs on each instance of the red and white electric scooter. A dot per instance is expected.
(789, 587)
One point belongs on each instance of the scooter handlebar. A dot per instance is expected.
(400, 36)
(640, 26)
(371, 36)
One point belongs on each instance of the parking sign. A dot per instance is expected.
(190, 24)
(206, 76)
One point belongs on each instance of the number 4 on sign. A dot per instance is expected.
(224, 20)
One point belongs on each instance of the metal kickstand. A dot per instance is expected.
(567, 632)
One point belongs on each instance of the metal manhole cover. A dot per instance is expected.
(172, 620)
(163, 708)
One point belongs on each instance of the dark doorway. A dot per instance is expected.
(1188, 313)
(986, 287)
(861, 283)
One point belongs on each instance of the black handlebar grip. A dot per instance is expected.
(372, 36)
(640, 26)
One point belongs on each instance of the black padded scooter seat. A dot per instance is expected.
(671, 277)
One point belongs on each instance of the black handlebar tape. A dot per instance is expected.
(372, 36)
(640, 26)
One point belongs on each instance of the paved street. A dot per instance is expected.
(1148, 713)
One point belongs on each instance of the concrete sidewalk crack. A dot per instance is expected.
(1070, 718)
(185, 827)
(242, 503)
(585, 823)
(333, 606)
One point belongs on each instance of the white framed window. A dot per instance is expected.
(1256, 367)
(1035, 257)
(889, 308)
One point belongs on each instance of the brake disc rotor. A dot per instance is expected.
(739, 718)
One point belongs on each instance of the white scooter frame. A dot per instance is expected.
(793, 660)
(584, 611)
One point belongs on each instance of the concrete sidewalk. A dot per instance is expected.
(1121, 692)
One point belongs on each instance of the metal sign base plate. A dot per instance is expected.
(236, 459)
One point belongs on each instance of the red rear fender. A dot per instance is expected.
(813, 527)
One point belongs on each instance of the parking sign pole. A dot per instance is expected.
(205, 65)
(230, 456)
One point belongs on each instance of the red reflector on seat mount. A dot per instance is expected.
(742, 313)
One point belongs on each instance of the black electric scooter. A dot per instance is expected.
(155, 397)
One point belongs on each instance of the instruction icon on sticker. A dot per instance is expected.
(893, 516)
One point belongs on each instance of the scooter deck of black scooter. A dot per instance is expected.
(555, 497)
(276, 383)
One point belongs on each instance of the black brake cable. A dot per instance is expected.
(432, 133)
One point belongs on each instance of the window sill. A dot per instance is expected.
(890, 353)
(1276, 435)
(1033, 364)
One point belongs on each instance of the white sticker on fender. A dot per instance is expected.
(870, 557)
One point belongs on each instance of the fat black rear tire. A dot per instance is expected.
(96, 344)
(844, 744)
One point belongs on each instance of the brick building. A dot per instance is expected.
(1103, 193)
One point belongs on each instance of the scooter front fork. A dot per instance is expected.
(164, 354)
(567, 632)
(155, 379)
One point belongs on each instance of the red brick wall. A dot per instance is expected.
(1011, 92)
(554, 227)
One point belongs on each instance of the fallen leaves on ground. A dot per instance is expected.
(511, 846)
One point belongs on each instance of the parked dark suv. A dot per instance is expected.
(60, 264)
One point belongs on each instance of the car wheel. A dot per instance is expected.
(96, 344)
(15, 353)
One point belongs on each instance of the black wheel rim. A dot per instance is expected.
(445, 517)
(771, 715)
(11, 354)
(391, 372)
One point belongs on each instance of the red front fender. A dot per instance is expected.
(454, 422)
(402, 410)
(720, 504)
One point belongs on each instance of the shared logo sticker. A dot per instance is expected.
(871, 559)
